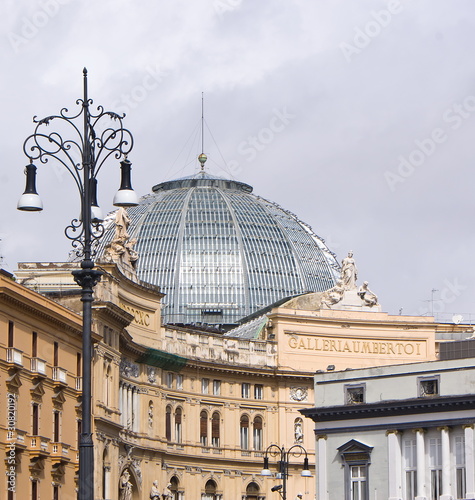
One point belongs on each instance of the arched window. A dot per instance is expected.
(175, 489)
(215, 429)
(252, 491)
(244, 432)
(257, 433)
(168, 423)
(204, 428)
(106, 471)
(178, 414)
(210, 491)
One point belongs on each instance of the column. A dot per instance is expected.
(394, 465)
(469, 461)
(129, 407)
(421, 465)
(107, 473)
(444, 438)
(321, 467)
(121, 409)
(135, 410)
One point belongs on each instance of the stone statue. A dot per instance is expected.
(154, 491)
(367, 296)
(150, 415)
(298, 431)
(167, 492)
(349, 273)
(121, 248)
(333, 295)
(122, 222)
(125, 486)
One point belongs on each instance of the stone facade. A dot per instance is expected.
(192, 410)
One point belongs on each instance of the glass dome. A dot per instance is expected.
(220, 253)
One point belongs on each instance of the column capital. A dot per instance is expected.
(419, 429)
(443, 428)
(320, 436)
(467, 426)
(392, 431)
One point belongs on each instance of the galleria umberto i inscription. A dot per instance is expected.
(342, 345)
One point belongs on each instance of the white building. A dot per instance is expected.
(396, 432)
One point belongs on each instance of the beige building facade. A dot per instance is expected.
(191, 409)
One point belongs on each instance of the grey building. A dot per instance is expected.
(401, 432)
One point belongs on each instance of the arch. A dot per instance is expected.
(133, 480)
(257, 433)
(204, 428)
(178, 417)
(106, 471)
(210, 491)
(298, 430)
(215, 429)
(244, 432)
(178, 493)
(252, 491)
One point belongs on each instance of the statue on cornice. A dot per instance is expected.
(367, 296)
(333, 295)
(349, 272)
(121, 248)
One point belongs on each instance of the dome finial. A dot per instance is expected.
(202, 157)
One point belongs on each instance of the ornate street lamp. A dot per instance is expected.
(82, 145)
(283, 455)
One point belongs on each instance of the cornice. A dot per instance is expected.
(391, 408)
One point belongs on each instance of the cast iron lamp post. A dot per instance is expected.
(283, 455)
(89, 140)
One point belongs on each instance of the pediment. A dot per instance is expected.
(355, 451)
(37, 390)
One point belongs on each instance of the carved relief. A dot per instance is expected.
(298, 393)
(128, 368)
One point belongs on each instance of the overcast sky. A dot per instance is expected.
(358, 116)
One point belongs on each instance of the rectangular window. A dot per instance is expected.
(34, 490)
(410, 468)
(435, 466)
(56, 426)
(55, 492)
(79, 429)
(204, 385)
(358, 487)
(35, 420)
(78, 364)
(179, 382)
(460, 472)
(246, 391)
(169, 380)
(258, 391)
(216, 387)
(244, 438)
(428, 386)
(34, 344)
(11, 329)
(355, 394)
(55, 354)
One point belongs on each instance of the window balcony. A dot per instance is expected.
(60, 375)
(60, 453)
(38, 366)
(78, 383)
(39, 447)
(14, 356)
